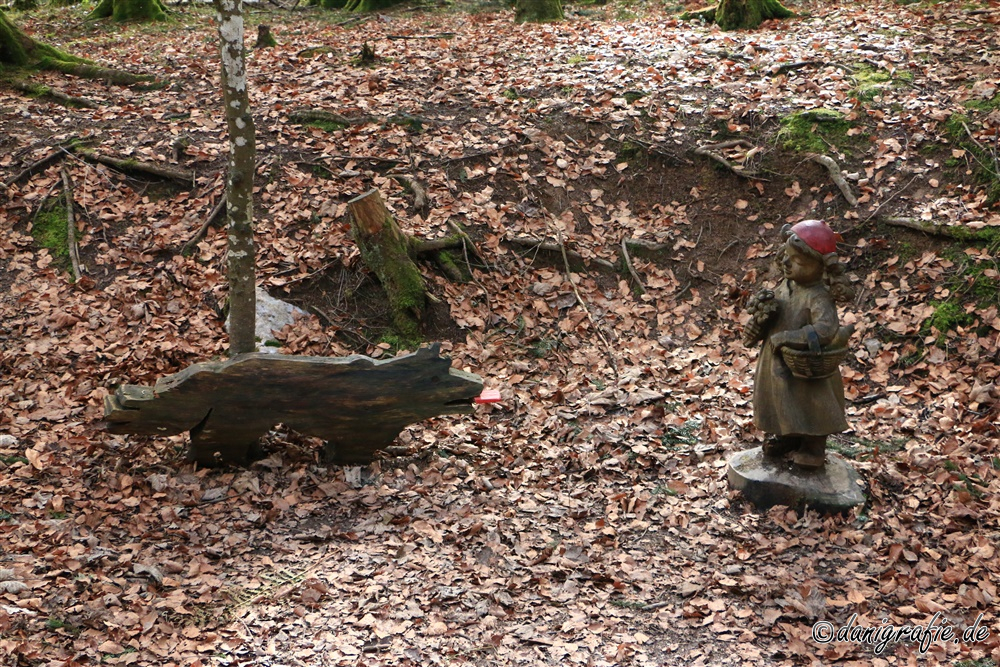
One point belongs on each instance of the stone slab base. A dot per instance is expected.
(768, 482)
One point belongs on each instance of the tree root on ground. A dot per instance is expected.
(835, 175)
(711, 151)
(71, 245)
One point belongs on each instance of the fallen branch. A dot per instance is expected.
(642, 244)
(71, 246)
(467, 244)
(628, 265)
(835, 175)
(217, 211)
(422, 247)
(530, 242)
(184, 176)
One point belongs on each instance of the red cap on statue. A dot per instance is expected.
(817, 235)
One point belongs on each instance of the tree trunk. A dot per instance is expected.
(239, 184)
(386, 251)
(741, 14)
(130, 10)
(538, 11)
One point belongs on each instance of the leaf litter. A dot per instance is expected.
(586, 519)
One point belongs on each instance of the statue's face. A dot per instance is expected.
(800, 267)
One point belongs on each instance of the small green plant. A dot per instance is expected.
(543, 346)
(870, 81)
(11, 460)
(511, 94)
(326, 125)
(982, 662)
(632, 96)
(576, 59)
(5, 515)
(683, 434)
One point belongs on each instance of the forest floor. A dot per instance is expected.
(586, 519)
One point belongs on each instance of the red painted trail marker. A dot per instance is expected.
(488, 396)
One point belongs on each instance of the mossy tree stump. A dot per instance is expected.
(741, 14)
(20, 51)
(385, 250)
(538, 11)
(130, 10)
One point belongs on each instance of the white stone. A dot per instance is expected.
(272, 315)
(7, 440)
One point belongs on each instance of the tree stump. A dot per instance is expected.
(385, 250)
(358, 405)
(265, 39)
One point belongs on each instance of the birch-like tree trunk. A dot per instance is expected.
(239, 183)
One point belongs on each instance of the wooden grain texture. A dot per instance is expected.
(358, 405)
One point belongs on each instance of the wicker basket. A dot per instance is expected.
(809, 365)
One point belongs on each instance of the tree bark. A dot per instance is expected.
(385, 250)
(130, 10)
(538, 11)
(239, 184)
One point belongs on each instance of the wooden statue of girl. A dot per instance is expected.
(798, 390)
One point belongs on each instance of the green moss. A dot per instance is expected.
(576, 59)
(511, 94)
(870, 81)
(983, 106)
(947, 316)
(632, 96)
(50, 232)
(805, 131)
(538, 11)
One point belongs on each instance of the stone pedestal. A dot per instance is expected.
(766, 482)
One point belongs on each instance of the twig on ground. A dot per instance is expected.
(788, 67)
(35, 167)
(880, 206)
(74, 250)
(835, 175)
(217, 210)
(579, 298)
(440, 35)
(707, 151)
(631, 270)
(538, 244)
(728, 246)
(642, 244)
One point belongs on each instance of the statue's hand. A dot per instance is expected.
(780, 339)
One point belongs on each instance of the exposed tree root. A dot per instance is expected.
(184, 176)
(628, 265)
(420, 202)
(548, 246)
(711, 151)
(835, 175)
(37, 90)
(956, 232)
(788, 67)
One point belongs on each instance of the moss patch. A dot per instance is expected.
(805, 131)
(50, 232)
(948, 315)
(870, 81)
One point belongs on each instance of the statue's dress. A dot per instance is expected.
(787, 405)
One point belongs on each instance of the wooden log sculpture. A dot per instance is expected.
(358, 405)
